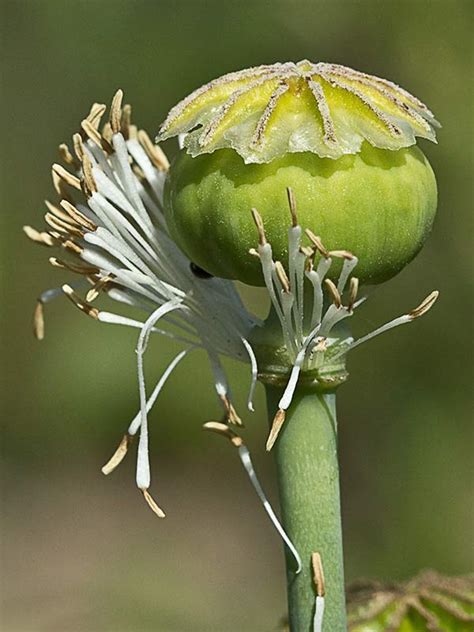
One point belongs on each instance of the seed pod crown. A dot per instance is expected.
(268, 111)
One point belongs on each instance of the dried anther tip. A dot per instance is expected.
(118, 456)
(353, 290)
(66, 155)
(283, 278)
(318, 574)
(38, 321)
(95, 114)
(66, 177)
(152, 504)
(277, 424)
(45, 239)
(231, 413)
(116, 112)
(336, 297)
(79, 303)
(257, 218)
(292, 205)
(224, 430)
(317, 243)
(154, 152)
(78, 146)
(90, 185)
(424, 306)
(342, 254)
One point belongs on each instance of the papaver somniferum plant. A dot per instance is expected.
(301, 178)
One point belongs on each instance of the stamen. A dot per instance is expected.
(38, 321)
(101, 284)
(118, 456)
(257, 218)
(78, 147)
(96, 112)
(317, 243)
(320, 592)
(96, 137)
(334, 292)
(66, 177)
(116, 112)
(79, 303)
(246, 461)
(280, 270)
(77, 216)
(152, 504)
(424, 306)
(277, 424)
(66, 155)
(292, 205)
(45, 239)
(353, 290)
(154, 152)
(89, 181)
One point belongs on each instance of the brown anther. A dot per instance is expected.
(38, 321)
(318, 574)
(116, 112)
(292, 205)
(341, 254)
(66, 155)
(277, 424)
(126, 120)
(94, 292)
(60, 214)
(318, 244)
(95, 114)
(225, 431)
(424, 306)
(72, 267)
(90, 186)
(154, 152)
(79, 303)
(257, 218)
(78, 146)
(77, 216)
(307, 251)
(353, 290)
(118, 456)
(282, 277)
(133, 132)
(60, 225)
(231, 413)
(66, 177)
(45, 239)
(152, 504)
(334, 292)
(72, 246)
(107, 132)
(95, 136)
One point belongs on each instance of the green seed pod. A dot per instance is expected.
(340, 139)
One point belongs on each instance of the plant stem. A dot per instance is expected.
(308, 479)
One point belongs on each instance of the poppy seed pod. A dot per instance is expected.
(343, 141)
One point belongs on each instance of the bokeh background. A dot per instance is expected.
(82, 552)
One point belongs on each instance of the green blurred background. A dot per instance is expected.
(84, 553)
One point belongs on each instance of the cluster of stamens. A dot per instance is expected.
(109, 223)
(309, 330)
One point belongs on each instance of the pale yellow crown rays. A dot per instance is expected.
(267, 111)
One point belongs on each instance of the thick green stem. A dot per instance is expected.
(308, 478)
